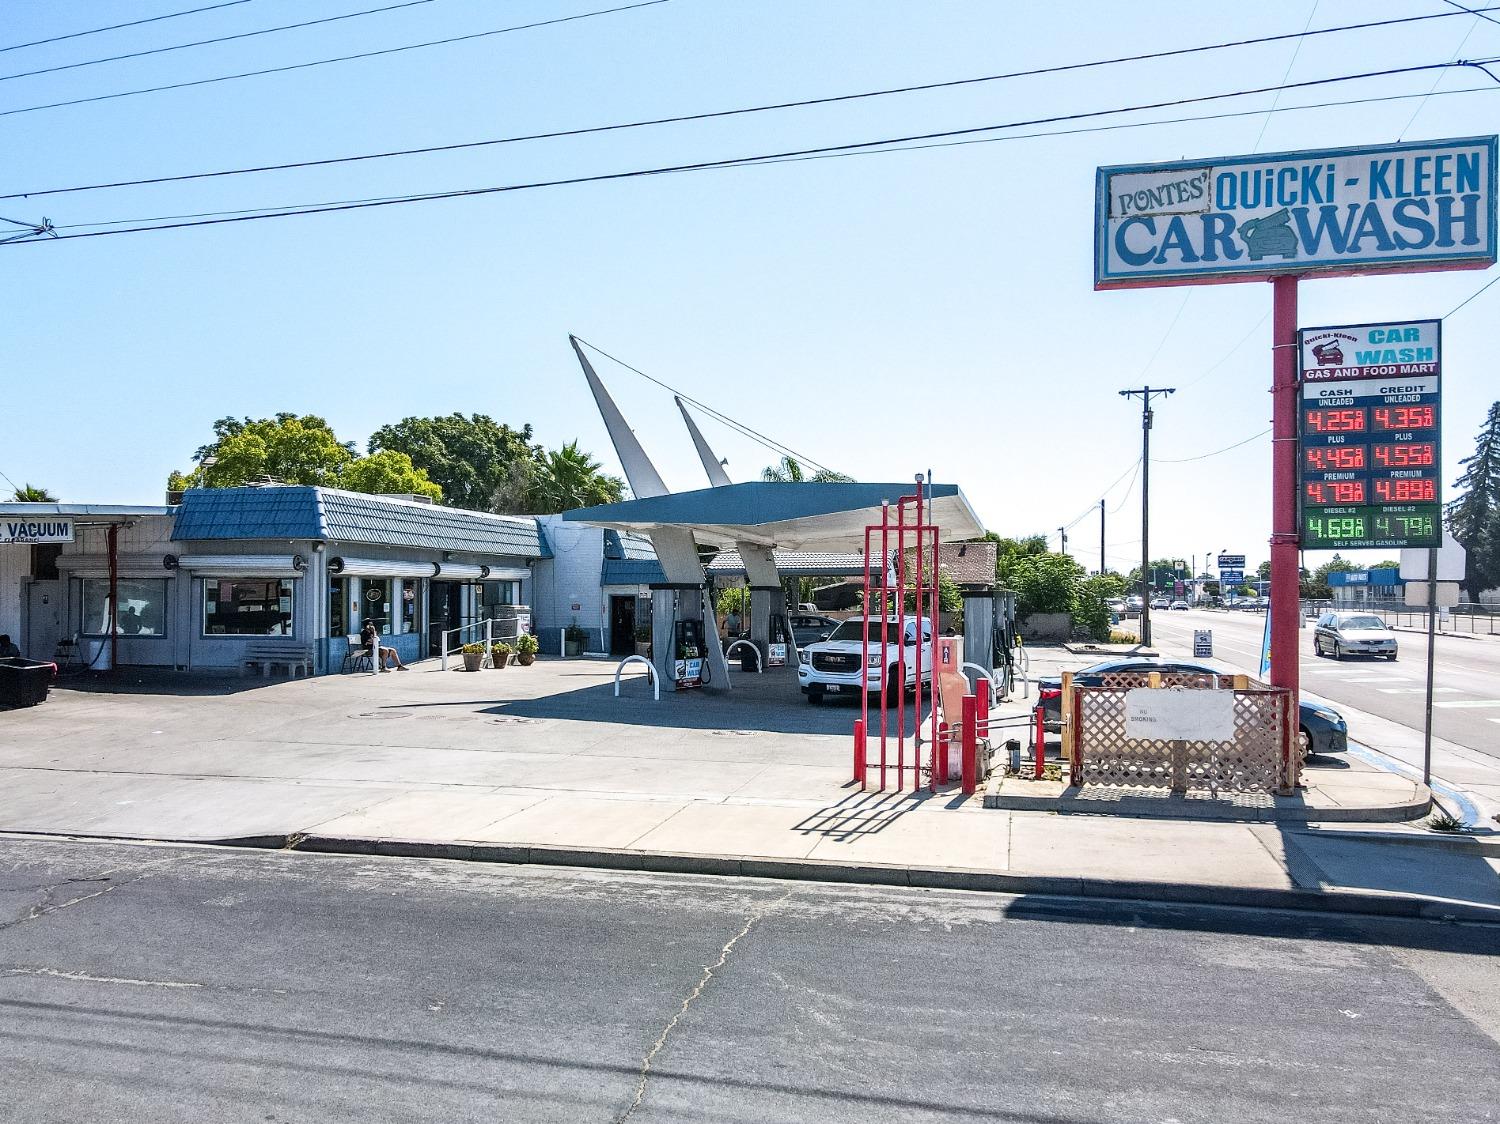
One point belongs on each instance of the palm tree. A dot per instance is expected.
(571, 478)
(29, 493)
(789, 471)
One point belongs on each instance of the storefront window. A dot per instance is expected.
(375, 603)
(498, 593)
(408, 605)
(143, 607)
(247, 607)
(337, 622)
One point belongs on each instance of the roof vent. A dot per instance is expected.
(404, 496)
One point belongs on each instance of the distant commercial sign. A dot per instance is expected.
(1231, 561)
(36, 530)
(1231, 577)
(1369, 455)
(1383, 209)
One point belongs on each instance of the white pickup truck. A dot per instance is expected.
(832, 666)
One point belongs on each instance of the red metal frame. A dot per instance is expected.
(970, 745)
(881, 601)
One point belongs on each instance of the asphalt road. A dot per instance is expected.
(155, 983)
(1466, 702)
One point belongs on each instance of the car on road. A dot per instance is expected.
(1353, 634)
(809, 628)
(1179, 605)
(1159, 602)
(881, 644)
(1320, 729)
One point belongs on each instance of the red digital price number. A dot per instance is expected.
(1335, 492)
(1334, 458)
(1405, 491)
(1417, 454)
(1405, 417)
(1349, 420)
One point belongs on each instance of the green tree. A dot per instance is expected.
(30, 493)
(1388, 564)
(470, 458)
(1316, 586)
(1263, 571)
(571, 478)
(789, 471)
(1045, 583)
(288, 448)
(1474, 517)
(388, 472)
(1090, 603)
(1008, 550)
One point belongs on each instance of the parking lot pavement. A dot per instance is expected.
(546, 764)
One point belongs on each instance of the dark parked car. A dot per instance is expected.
(1320, 729)
(809, 628)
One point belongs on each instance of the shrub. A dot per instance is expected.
(526, 644)
(1044, 583)
(476, 649)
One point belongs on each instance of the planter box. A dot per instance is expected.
(473, 660)
(572, 648)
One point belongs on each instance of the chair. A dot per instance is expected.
(358, 657)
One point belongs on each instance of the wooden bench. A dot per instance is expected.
(267, 655)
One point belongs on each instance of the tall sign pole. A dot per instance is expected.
(1285, 578)
(1101, 538)
(1432, 608)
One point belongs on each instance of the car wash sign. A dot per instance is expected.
(1388, 209)
(36, 530)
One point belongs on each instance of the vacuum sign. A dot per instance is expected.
(1389, 209)
(36, 530)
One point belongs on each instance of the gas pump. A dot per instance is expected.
(782, 645)
(688, 654)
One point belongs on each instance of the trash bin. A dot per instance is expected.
(24, 682)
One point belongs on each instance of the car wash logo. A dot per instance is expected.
(1401, 207)
(1326, 349)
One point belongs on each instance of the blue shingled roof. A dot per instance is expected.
(633, 571)
(298, 512)
(626, 546)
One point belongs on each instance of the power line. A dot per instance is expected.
(207, 42)
(1437, 79)
(341, 58)
(755, 435)
(1260, 136)
(1472, 11)
(1230, 353)
(1216, 452)
(117, 26)
(752, 162)
(1129, 489)
(739, 161)
(1472, 295)
(710, 115)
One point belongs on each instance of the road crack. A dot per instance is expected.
(709, 971)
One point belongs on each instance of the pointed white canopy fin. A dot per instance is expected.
(716, 474)
(645, 482)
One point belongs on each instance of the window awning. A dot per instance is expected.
(508, 573)
(460, 571)
(126, 565)
(380, 568)
(240, 565)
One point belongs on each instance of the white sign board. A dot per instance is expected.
(1447, 594)
(1451, 557)
(36, 530)
(1179, 714)
(1384, 208)
(1203, 643)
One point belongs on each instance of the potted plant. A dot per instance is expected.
(573, 640)
(643, 640)
(473, 656)
(526, 647)
(500, 655)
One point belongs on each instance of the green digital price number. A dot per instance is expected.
(1370, 526)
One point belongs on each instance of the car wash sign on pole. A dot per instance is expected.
(1386, 209)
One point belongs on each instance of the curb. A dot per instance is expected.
(1456, 841)
(884, 874)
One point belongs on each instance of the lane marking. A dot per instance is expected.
(1418, 691)
(1469, 704)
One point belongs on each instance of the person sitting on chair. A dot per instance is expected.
(381, 657)
(8, 650)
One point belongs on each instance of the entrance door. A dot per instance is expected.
(43, 626)
(442, 613)
(621, 626)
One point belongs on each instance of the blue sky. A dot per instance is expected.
(885, 314)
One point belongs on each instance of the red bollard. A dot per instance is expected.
(1041, 742)
(982, 717)
(859, 751)
(940, 755)
(970, 762)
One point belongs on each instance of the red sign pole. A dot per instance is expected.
(1285, 583)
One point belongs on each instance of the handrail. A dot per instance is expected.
(447, 647)
(651, 667)
(985, 675)
(752, 646)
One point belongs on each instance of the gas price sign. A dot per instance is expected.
(1368, 455)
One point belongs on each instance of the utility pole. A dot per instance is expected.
(1101, 538)
(1063, 533)
(1145, 394)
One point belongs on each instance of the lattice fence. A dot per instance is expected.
(1252, 761)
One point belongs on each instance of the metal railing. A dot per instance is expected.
(1467, 618)
(489, 629)
(651, 667)
(752, 646)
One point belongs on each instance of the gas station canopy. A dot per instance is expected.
(792, 516)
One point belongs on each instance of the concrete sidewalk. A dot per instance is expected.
(545, 765)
